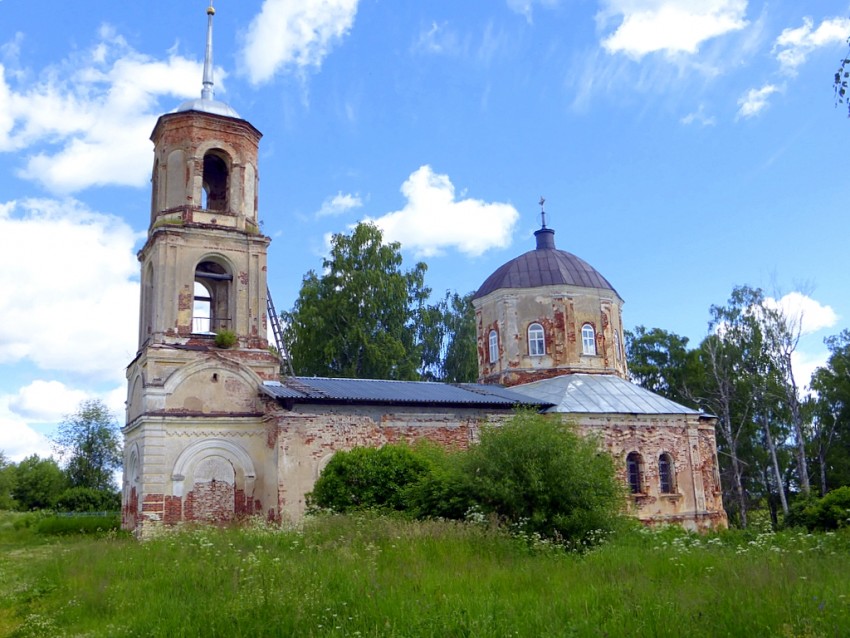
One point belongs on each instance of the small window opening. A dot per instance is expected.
(536, 340)
(588, 339)
(634, 472)
(665, 474)
(215, 183)
(617, 352)
(494, 346)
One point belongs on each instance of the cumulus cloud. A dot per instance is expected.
(755, 101)
(669, 26)
(433, 219)
(294, 34)
(46, 401)
(87, 121)
(339, 204)
(17, 439)
(70, 299)
(793, 46)
(811, 314)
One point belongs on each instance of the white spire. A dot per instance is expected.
(207, 92)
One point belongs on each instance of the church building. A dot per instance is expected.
(215, 432)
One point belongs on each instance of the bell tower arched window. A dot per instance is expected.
(536, 340)
(215, 183)
(211, 309)
(588, 339)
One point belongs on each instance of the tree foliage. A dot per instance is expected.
(90, 443)
(831, 414)
(38, 483)
(7, 483)
(358, 319)
(661, 362)
(366, 317)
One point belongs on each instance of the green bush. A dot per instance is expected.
(365, 478)
(225, 339)
(442, 491)
(87, 499)
(830, 512)
(538, 475)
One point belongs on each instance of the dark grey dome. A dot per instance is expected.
(544, 266)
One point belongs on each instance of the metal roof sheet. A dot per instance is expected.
(599, 393)
(330, 390)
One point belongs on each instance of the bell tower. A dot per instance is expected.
(202, 349)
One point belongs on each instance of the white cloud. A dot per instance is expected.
(69, 298)
(438, 39)
(18, 440)
(794, 45)
(755, 100)
(812, 315)
(433, 219)
(699, 117)
(46, 401)
(339, 204)
(294, 33)
(669, 26)
(525, 7)
(87, 121)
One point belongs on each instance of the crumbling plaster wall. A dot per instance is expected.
(695, 502)
(309, 435)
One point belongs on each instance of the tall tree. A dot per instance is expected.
(831, 422)
(359, 318)
(90, 444)
(447, 338)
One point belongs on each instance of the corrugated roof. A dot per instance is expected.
(599, 393)
(325, 390)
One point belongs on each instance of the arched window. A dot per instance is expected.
(634, 472)
(666, 474)
(617, 352)
(588, 339)
(494, 346)
(211, 309)
(215, 183)
(536, 340)
(202, 309)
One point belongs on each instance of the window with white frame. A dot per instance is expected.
(494, 346)
(588, 339)
(536, 340)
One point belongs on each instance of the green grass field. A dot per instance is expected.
(369, 576)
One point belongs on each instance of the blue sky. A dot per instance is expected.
(683, 147)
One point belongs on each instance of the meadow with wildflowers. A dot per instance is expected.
(367, 575)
